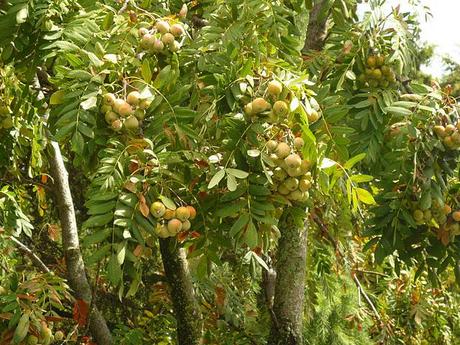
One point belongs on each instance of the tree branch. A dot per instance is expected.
(35, 259)
(316, 30)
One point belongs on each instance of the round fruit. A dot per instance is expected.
(7, 122)
(299, 143)
(177, 30)
(280, 108)
(456, 138)
(274, 88)
(192, 211)
(371, 61)
(293, 161)
(117, 104)
(186, 225)
(448, 141)
(182, 213)
(279, 174)
(174, 226)
(305, 166)
(162, 231)
(294, 172)
(109, 98)
(59, 335)
(147, 41)
(142, 31)
(283, 150)
(106, 108)
(162, 26)
(295, 195)
(259, 105)
(167, 39)
(377, 73)
(313, 116)
(283, 190)
(380, 60)
(169, 214)
(139, 114)
(3, 291)
(456, 216)
(125, 110)
(110, 117)
(450, 129)
(271, 145)
(248, 109)
(304, 185)
(386, 71)
(157, 209)
(131, 123)
(158, 46)
(446, 209)
(133, 98)
(291, 183)
(32, 340)
(427, 215)
(440, 131)
(174, 47)
(117, 125)
(418, 215)
(144, 104)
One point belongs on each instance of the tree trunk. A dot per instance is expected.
(186, 310)
(317, 30)
(75, 266)
(290, 281)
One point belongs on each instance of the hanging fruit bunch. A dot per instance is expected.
(163, 37)
(172, 221)
(377, 73)
(449, 135)
(124, 113)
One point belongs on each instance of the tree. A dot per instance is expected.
(204, 141)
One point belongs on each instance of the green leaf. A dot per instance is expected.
(98, 220)
(114, 272)
(398, 110)
(231, 183)
(216, 179)
(237, 173)
(239, 224)
(364, 196)
(260, 260)
(352, 161)
(57, 97)
(91, 102)
(327, 163)
(146, 71)
(99, 254)
(361, 178)
(97, 237)
(167, 202)
(250, 235)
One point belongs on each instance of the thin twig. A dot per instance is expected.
(124, 7)
(366, 297)
(371, 272)
(35, 259)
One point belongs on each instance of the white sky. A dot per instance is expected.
(442, 30)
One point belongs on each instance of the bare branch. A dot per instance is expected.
(35, 259)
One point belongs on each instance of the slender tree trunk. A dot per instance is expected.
(290, 282)
(186, 310)
(75, 266)
(317, 30)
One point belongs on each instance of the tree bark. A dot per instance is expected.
(185, 306)
(317, 26)
(75, 266)
(290, 282)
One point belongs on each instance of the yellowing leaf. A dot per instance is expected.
(57, 97)
(364, 196)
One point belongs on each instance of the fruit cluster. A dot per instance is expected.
(46, 336)
(377, 73)
(171, 222)
(273, 108)
(162, 37)
(442, 215)
(290, 174)
(449, 134)
(120, 113)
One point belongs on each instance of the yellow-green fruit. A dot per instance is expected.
(162, 231)
(192, 211)
(131, 123)
(248, 109)
(291, 183)
(440, 131)
(162, 26)
(157, 209)
(182, 213)
(380, 60)
(448, 141)
(280, 108)
(293, 161)
(279, 174)
(283, 190)
(133, 98)
(259, 105)
(373, 83)
(125, 110)
(427, 215)
(106, 108)
(32, 340)
(304, 185)
(45, 335)
(377, 73)
(142, 31)
(110, 117)
(144, 104)
(313, 116)
(271, 145)
(446, 209)
(368, 72)
(186, 225)
(167, 39)
(147, 41)
(455, 229)
(117, 125)
(299, 143)
(274, 88)
(456, 138)
(456, 216)
(386, 71)
(109, 98)
(59, 335)
(283, 150)
(117, 104)
(418, 215)
(7, 122)
(371, 61)
(158, 46)
(174, 47)
(305, 166)
(295, 195)
(3, 291)
(177, 30)
(174, 226)
(294, 172)
(169, 214)
(450, 129)
(139, 114)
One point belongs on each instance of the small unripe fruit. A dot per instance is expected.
(418, 215)
(158, 46)
(157, 209)
(125, 110)
(182, 213)
(456, 216)
(117, 104)
(117, 125)
(139, 114)
(186, 225)
(440, 131)
(169, 214)
(283, 190)
(110, 117)
(294, 172)
(162, 26)
(386, 71)
(174, 226)
(293, 161)
(192, 211)
(313, 116)
(32, 340)
(371, 61)
(291, 183)
(280, 108)
(448, 141)
(174, 47)
(456, 138)
(133, 98)
(305, 166)
(177, 30)
(131, 123)
(144, 104)
(283, 150)
(109, 98)
(162, 231)
(279, 174)
(377, 73)
(147, 41)
(274, 88)
(427, 215)
(295, 195)
(106, 108)
(248, 109)
(59, 335)
(304, 185)
(380, 60)
(450, 129)
(272, 145)
(446, 209)
(142, 31)
(167, 39)
(299, 143)
(259, 105)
